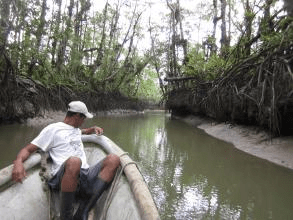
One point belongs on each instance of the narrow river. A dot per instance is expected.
(191, 175)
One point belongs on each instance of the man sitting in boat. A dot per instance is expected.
(71, 174)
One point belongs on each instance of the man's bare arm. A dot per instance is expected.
(93, 130)
(18, 172)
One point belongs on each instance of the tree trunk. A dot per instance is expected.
(267, 15)
(224, 39)
(183, 42)
(288, 4)
(113, 68)
(64, 41)
(39, 35)
(101, 48)
(215, 21)
(55, 33)
(4, 22)
(76, 50)
(248, 18)
(40, 30)
(5, 64)
(174, 37)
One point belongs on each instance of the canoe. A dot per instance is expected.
(128, 198)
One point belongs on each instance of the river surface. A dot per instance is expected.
(190, 174)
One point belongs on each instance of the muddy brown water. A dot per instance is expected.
(190, 174)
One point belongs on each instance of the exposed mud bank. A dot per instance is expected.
(249, 139)
(49, 117)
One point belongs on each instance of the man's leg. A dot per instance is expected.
(104, 177)
(69, 184)
(109, 167)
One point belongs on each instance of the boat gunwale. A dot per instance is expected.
(147, 207)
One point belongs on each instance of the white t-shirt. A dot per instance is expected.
(61, 141)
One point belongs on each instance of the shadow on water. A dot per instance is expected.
(190, 174)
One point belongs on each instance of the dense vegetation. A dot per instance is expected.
(249, 82)
(239, 71)
(51, 51)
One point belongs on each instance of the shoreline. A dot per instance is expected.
(55, 116)
(249, 139)
(245, 138)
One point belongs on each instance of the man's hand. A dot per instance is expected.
(98, 130)
(18, 172)
(93, 130)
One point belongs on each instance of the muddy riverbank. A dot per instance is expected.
(54, 116)
(249, 139)
(245, 138)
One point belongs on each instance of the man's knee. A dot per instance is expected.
(110, 164)
(73, 165)
(111, 161)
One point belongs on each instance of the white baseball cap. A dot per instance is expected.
(80, 107)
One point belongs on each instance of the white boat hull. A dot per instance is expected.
(29, 200)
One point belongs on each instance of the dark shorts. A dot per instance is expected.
(88, 178)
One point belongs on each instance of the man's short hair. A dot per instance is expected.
(70, 114)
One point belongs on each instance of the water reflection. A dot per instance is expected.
(194, 176)
(12, 138)
(190, 174)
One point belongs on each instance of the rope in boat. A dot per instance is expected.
(49, 204)
(114, 186)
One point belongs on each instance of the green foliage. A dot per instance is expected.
(249, 15)
(84, 51)
(149, 88)
(272, 39)
(206, 69)
(196, 63)
(143, 86)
